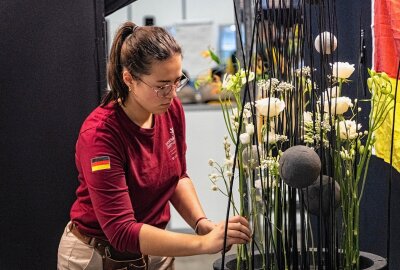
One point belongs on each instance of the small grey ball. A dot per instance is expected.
(299, 166)
(312, 195)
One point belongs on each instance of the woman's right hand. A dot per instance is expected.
(238, 233)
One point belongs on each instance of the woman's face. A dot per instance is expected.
(149, 91)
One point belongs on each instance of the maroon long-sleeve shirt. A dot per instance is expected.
(127, 174)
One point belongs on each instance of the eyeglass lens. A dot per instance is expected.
(166, 89)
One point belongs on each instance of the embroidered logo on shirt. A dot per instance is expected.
(100, 163)
(171, 144)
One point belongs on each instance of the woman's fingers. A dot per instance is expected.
(239, 230)
(240, 219)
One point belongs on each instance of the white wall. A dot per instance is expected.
(168, 13)
(205, 131)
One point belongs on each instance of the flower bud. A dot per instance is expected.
(371, 72)
(385, 76)
(211, 162)
(244, 138)
(385, 90)
(369, 83)
(250, 129)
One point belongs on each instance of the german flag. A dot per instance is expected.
(100, 163)
(386, 55)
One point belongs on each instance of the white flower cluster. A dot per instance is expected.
(303, 72)
(284, 87)
(273, 138)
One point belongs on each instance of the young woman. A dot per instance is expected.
(130, 156)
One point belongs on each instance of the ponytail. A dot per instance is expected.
(114, 66)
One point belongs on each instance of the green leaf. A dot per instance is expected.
(196, 84)
(214, 57)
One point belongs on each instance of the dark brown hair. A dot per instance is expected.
(136, 49)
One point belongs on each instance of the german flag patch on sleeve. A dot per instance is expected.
(100, 163)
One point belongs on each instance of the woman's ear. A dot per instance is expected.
(127, 77)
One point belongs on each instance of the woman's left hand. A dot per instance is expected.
(205, 226)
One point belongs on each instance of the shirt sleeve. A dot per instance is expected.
(182, 139)
(102, 160)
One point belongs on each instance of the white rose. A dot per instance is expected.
(342, 70)
(244, 138)
(327, 41)
(275, 106)
(339, 105)
(348, 129)
(250, 129)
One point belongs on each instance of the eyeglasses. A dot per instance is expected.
(165, 90)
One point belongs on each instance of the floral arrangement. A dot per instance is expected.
(260, 131)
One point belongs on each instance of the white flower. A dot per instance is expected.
(246, 113)
(270, 106)
(214, 187)
(327, 41)
(330, 93)
(228, 174)
(244, 138)
(348, 129)
(339, 105)
(284, 86)
(211, 162)
(213, 177)
(243, 76)
(227, 82)
(235, 113)
(250, 129)
(342, 70)
(272, 137)
(307, 117)
(228, 162)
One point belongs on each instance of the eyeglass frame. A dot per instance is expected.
(173, 86)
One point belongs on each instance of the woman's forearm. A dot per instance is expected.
(158, 242)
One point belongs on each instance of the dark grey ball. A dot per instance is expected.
(312, 195)
(299, 166)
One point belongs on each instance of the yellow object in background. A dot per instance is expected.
(383, 134)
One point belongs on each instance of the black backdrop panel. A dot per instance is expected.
(49, 81)
(113, 5)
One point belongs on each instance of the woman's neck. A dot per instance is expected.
(138, 115)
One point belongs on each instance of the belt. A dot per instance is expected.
(104, 247)
(84, 238)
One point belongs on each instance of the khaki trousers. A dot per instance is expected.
(73, 254)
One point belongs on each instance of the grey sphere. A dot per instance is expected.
(299, 166)
(312, 195)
